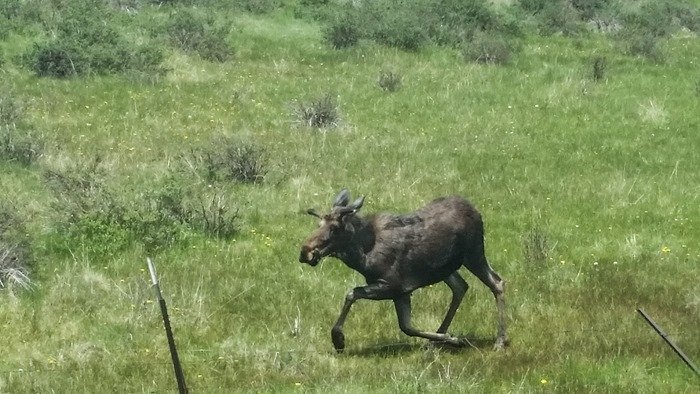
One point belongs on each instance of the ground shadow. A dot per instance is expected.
(392, 349)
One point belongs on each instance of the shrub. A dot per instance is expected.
(396, 25)
(559, 17)
(599, 68)
(193, 33)
(87, 41)
(589, 9)
(104, 217)
(228, 159)
(54, 59)
(261, 6)
(322, 112)
(17, 144)
(410, 26)
(645, 45)
(343, 33)
(212, 214)
(487, 49)
(11, 110)
(15, 254)
(389, 81)
(451, 22)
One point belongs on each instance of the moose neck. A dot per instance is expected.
(354, 255)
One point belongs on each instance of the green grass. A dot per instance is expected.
(605, 172)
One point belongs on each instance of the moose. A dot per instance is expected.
(398, 254)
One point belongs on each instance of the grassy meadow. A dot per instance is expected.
(588, 185)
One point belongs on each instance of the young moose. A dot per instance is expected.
(398, 254)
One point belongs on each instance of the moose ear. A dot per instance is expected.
(357, 204)
(342, 198)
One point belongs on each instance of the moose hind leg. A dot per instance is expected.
(497, 286)
(403, 312)
(459, 287)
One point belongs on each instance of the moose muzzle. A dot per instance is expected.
(309, 256)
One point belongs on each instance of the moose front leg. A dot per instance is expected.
(374, 291)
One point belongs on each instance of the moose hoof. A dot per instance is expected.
(449, 341)
(338, 340)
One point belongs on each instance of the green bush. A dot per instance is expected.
(343, 33)
(451, 22)
(412, 25)
(660, 18)
(589, 9)
(56, 60)
(399, 27)
(87, 41)
(193, 33)
(487, 49)
(261, 6)
(105, 216)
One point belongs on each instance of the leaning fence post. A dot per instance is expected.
(179, 375)
(670, 343)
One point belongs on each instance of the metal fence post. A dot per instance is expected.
(179, 375)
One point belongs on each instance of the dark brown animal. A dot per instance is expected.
(398, 254)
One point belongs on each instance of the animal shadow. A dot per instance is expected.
(393, 349)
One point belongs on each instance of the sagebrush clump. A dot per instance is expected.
(322, 112)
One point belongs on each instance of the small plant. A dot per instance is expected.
(599, 68)
(19, 147)
(212, 214)
(487, 49)
(11, 110)
(389, 81)
(319, 113)
(228, 159)
(15, 256)
(536, 247)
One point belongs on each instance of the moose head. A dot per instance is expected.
(335, 231)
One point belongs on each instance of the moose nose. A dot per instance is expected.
(309, 256)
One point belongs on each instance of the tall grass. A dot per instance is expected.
(588, 187)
